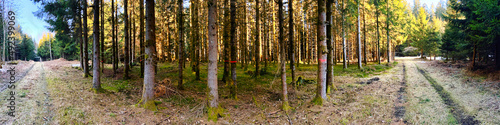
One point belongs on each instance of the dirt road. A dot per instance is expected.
(32, 99)
(439, 95)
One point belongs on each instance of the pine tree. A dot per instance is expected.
(233, 49)
(360, 66)
(127, 41)
(329, 40)
(97, 71)
(180, 20)
(149, 70)
(257, 39)
(285, 105)
(322, 53)
(86, 72)
(213, 96)
(290, 39)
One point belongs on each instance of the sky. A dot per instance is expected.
(427, 2)
(30, 24)
(35, 27)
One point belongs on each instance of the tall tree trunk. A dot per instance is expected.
(257, 39)
(364, 36)
(388, 36)
(378, 34)
(127, 40)
(233, 49)
(129, 30)
(282, 56)
(266, 38)
(141, 36)
(321, 52)
(226, 41)
(132, 51)
(329, 38)
(213, 96)
(102, 37)
(86, 71)
(134, 41)
(344, 54)
(79, 32)
(244, 35)
(195, 38)
(180, 20)
(97, 74)
(290, 39)
(149, 72)
(242, 32)
(117, 54)
(113, 35)
(336, 57)
(360, 65)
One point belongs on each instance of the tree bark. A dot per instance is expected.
(233, 49)
(257, 39)
(96, 72)
(117, 55)
(113, 35)
(213, 96)
(344, 54)
(141, 36)
(378, 34)
(290, 39)
(322, 51)
(180, 20)
(360, 57)
(195, 38)
(149, 70)
(329, 39)
(388, 36)
(102, 36)
(86, 72)
(266, 38)
(79, 33)
(364, 36)
(226, 41)
(282, 56)
(127, 40)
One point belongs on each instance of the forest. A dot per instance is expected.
(222, 59)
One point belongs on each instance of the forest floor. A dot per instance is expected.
(411, 91)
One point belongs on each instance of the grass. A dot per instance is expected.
(456, 109)
(352, 69)
(124, 93)
(72, 115)
(117, 86)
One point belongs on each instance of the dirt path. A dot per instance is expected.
(33, 105)
(437, 95)
(476, 102)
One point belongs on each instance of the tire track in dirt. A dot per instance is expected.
(35, 106)
(456, 109)
(423, 103)
(399, 105)
(47, 103)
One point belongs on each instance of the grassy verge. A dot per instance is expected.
(456, 109)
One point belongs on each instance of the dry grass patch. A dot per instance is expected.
(424, 104)
(469, 92)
